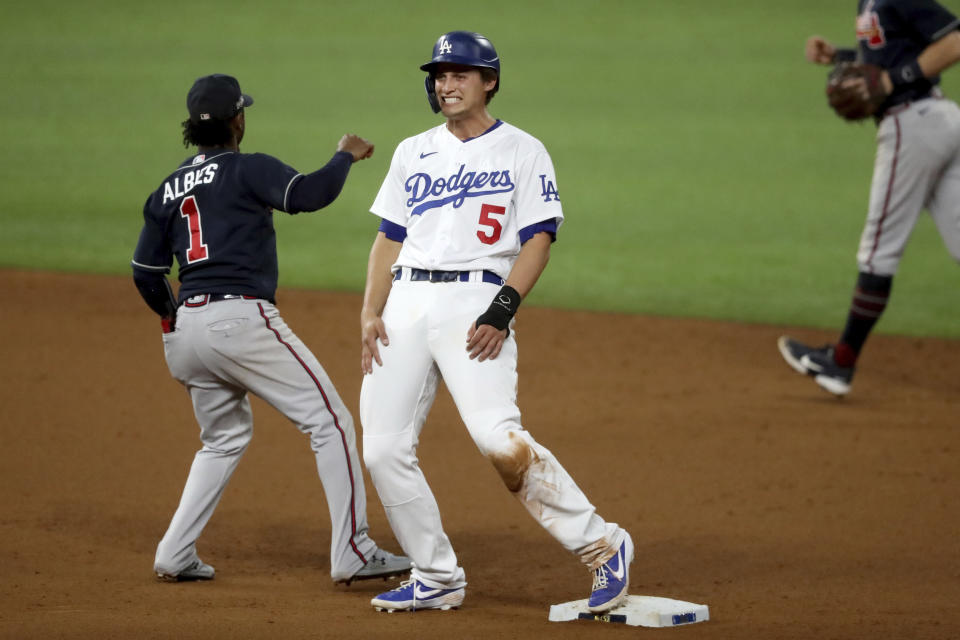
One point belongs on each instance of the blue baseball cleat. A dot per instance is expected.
(413, 595)
(611, 579)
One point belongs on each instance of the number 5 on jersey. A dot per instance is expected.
(198, 250)
(486, 211)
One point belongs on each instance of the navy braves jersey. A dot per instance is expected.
(215, 215)
(893, 32)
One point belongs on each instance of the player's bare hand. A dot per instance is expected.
(371, 330)
(485, 342)
(359, 148)
(819, 51)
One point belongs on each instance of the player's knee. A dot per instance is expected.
(512, 457)
(325, 431)
(227, 442)
(392, 463)
(879, 265)
(493, 430)
(386, 454)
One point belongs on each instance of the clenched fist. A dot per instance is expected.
(359, 148)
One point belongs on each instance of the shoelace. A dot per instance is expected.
(404, 585)
(600, 578)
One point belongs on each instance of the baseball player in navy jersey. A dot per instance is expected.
(223, 336)
(917, 164)
(468, 212)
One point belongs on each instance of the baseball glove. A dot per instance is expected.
(855, 90)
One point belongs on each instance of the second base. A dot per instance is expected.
(638, 611)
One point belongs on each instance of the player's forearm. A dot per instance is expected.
(934, 59)
(940, 55)
(318, 189)
(383, 254)
(530, 263)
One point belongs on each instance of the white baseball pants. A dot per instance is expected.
(427, 327)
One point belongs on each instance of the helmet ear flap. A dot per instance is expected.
(430, 85)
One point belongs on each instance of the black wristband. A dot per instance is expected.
(502, 309)
(906, 73)
(844, 55)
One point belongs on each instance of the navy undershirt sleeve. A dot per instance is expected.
(318, 189)
(845, 55)
(546, 226)
(393, 231)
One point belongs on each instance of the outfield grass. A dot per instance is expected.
(700, 169)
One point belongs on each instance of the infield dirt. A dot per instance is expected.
(791, 513)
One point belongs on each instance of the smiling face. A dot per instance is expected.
(461, 90)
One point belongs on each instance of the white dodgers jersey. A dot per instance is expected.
(464, 202)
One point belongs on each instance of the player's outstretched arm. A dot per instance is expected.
(485, 337)
(383, 254)
(316, 190)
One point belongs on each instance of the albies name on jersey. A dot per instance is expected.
(173, 189)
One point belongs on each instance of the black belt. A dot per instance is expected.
(422, 275)
(202, 299)
(906, 101)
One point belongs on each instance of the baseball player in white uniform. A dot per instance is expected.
(469, 210)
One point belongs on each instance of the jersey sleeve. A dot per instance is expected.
(318, 189)
(537, 197)
(153, 251)
(930, 19)
(389, 203)
(268, 179)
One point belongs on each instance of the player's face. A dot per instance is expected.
(461, 90)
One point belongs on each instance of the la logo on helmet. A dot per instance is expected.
(445, 47)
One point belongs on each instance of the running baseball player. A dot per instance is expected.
(223, 336)
(893, 76)
(468, 212)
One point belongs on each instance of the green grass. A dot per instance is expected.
(700, 170)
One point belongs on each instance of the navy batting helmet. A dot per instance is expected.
(460, 47)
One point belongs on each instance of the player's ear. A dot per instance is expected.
(238, 124)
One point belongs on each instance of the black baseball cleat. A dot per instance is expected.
(817, 362)
(827, 373)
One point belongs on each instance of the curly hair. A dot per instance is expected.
(209, 133)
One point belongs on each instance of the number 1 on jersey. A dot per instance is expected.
(486, 211)
(198, 250)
